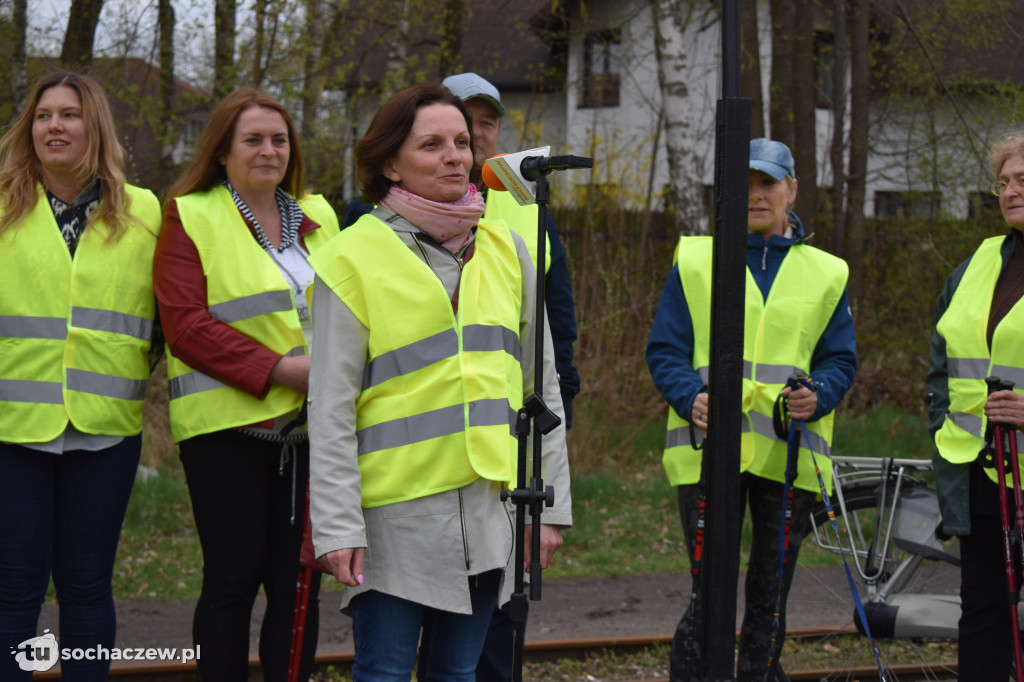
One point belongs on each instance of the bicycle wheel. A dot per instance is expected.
(911, 602)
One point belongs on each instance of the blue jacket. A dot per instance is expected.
(670, 346)
(561, 310)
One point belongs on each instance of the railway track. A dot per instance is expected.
(546, 650)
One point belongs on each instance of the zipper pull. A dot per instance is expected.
(764, 259)
(460, 262)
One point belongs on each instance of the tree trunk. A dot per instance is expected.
(312, 71)
(259, 39)
(224, 48)
(804, 100)
(450, 54)
(19, 76)
(83, 18)
(165, 21)
(781, 102)
(750, 66)
(839, 56)
(670, 20)
(856, 182)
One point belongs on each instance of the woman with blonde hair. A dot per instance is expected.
(76, 318)
(978, 322)
(230, 276)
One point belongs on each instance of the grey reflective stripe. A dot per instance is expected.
(968, 422)
(16, 391)
(425, 352)
(748, 369)
(681, 437)
(763, 426)
(482, 337)
(296, 352)
(110, 321)
(106, 385)
(968, 368)
(492, 412)
(1014, 374)
(251, 306)
(410, 358)
(704, 372)
(193, 382)
(433, 424)
(26, 327)
(776, 374)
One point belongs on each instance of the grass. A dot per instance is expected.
(626, 518)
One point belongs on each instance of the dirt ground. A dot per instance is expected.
(569, 609)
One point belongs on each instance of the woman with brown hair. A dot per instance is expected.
(230, 277)
(423, 353)
(76, 320)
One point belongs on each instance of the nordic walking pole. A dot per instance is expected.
(994, 384)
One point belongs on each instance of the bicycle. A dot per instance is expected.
(906, 573)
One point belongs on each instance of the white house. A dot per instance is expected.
(926, 157)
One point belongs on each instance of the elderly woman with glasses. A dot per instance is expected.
(979, 319)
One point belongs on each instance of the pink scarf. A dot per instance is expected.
(448, 223)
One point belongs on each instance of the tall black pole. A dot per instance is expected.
(725, 383)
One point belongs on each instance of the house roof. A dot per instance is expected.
(508, 42)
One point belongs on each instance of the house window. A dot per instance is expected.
(824, 68)
(906, 205)
(601, 69)
(982, 205)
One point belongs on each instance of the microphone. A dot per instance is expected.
(517, 173)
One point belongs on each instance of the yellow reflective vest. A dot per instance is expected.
(246, 290)
(779, 337)
(75, 332)
(522, 220)
(964, 326)
(440, 391)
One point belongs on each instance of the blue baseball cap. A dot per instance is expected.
(469, 85)
(771, 157)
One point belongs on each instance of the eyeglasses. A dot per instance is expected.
(999, 186)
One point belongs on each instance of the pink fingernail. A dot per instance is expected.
(359, 579)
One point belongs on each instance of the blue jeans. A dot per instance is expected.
(61, 513)
(387, 630)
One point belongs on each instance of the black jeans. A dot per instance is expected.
(248, 509)
(761, 590)
(985, 650)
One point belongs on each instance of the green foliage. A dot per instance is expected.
(159, 555)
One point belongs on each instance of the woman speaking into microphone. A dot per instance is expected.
(423, 352)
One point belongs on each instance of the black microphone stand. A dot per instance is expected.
(534, 496)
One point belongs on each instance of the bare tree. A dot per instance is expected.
(839, 59)
(781, 100)
(83, 18)
(805, 94)
(165, 27)
(750, 66)
(224, 48)
(312, 68)
(19, 76)
(857, 178)
(671, 19)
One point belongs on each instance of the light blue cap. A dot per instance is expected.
(469, 85)
(771, 157)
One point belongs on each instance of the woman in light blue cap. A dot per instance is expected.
(797, 321)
